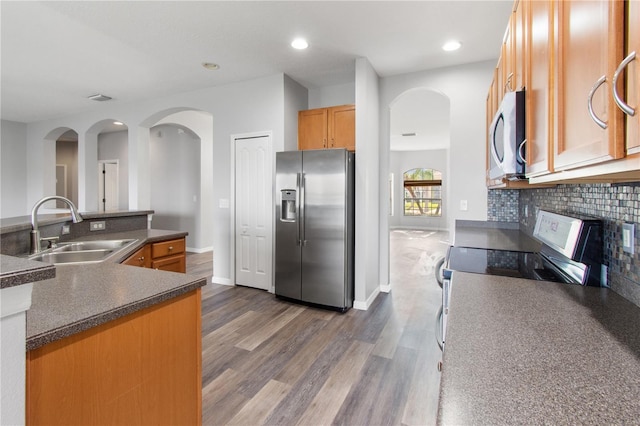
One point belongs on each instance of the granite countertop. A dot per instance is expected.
(84, 296)
(493, 235)
(16, 271)
(535, 352)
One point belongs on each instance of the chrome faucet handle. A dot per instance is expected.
(51, 240)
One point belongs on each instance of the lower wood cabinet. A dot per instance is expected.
(141, 369)
(165, 255)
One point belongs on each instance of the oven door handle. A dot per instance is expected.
(439, 339)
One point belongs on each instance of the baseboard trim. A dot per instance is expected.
(198, 250)
(363, 306)
(385, 288)
(222, 281)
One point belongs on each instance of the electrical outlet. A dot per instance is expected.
(66, 229)
(628, 237)
(97, 226)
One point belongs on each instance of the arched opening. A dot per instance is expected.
(113, 164)
(181, 174)
(67, 167)
(419, 141)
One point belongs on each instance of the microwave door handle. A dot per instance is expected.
(521, 152)
(492, 145)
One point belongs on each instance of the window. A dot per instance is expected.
(423, 192)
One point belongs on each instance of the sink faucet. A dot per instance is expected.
(35, 232)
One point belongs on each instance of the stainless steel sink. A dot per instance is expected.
(82, 251)
(86, 256)
(92, 245)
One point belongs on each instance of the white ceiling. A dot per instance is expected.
(54, 54)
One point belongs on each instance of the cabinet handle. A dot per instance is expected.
(332, 143)
(170, 248)
(616, 96)
(507, 85)
(593, 115)
(141, 259)
(324, 143)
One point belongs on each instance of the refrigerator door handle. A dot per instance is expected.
(301, 224)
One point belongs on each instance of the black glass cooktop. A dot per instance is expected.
(515, 264)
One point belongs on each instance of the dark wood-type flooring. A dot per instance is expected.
(266, 361)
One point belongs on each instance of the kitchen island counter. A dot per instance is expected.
(86, 295)
(532, 352)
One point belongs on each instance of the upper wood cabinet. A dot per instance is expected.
(628, 79)
(333, 127)
(539, 86)
(589, 46)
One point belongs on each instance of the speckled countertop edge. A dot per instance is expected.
(494, 236)
(16, 271)
(36, 341)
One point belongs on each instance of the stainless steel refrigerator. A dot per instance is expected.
(314, 232)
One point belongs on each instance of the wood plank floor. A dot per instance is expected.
(267, 361)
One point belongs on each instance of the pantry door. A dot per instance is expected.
(253, 212)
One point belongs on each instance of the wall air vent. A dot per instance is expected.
(408, 134)
(100, 98)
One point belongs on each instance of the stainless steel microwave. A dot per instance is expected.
(507, 139)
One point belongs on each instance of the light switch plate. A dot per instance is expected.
(463, 205)
(628, 237)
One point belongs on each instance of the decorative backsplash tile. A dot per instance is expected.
(615, 204)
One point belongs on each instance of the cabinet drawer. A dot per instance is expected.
(167, 248)
(171, 263)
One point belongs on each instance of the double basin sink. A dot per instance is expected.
(82, 251)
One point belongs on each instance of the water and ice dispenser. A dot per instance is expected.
(288, 205)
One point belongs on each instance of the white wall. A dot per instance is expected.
(367, 279)
(296, 98)
(174, 160)
(402, 161)
(113, 146)
(13, 171)
(466, 87)
(341, 94)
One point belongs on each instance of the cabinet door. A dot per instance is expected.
(141, 258)
(539, 95)
(589, 47)
(519, 46)
(342, 127)
(632, 71)
(312, 129)
(171, 263)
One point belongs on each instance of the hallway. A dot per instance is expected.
(266, 361)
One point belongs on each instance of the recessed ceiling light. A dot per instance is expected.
(118, 123)
(211, 66)
(452, 45)
(299, 44)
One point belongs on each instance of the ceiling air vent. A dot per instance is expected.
(100, 98)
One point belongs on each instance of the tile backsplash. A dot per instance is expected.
(615, 204)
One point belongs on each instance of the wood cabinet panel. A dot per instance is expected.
(342, 127)
(141, 258)
(631, 86)
(144, 368)
(312, 129)
(539, 87)
(333, 127)
(167, 248)
(589, 45)
(170, 263)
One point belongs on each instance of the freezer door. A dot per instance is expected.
(324, 256)
(287, 231)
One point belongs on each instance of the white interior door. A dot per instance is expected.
(108, 186)
(253, 212)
